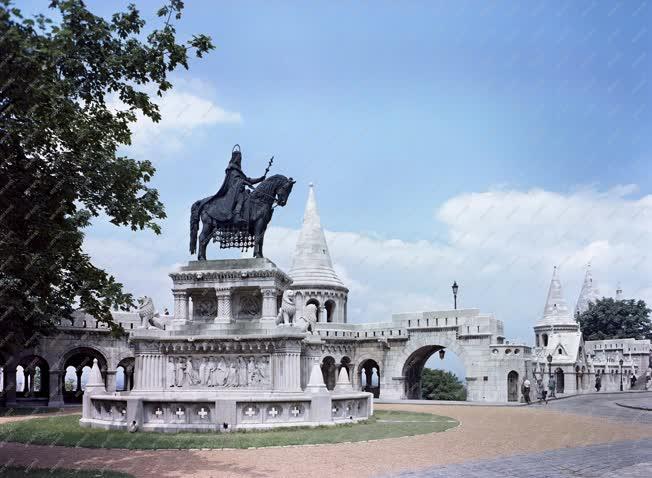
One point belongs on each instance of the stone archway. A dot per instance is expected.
(369, 377)
(81, 359)
(127, 380)
(413, 368)
(512, 386)
(329, 369)
(35, 380)
(402, 372)
(559, 379)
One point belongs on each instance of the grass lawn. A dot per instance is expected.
(21, 411)
(16, 472)
(65, 431)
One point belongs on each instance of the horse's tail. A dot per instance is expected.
(194, 225)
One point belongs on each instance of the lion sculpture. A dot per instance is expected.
(310, 319)
(288, 309)
(148, 315)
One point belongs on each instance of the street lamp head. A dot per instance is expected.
(442, 352)
(455, 287)
(620, 362)
(549, 358)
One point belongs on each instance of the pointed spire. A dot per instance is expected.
(312, 263)
(556, 311)
(316, 382)
(343, 382)
(588, 293)
(95, 380)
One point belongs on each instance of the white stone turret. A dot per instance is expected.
(588, 293)
(314, 279)
(556, 312)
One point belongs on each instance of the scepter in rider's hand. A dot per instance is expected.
(269, 165)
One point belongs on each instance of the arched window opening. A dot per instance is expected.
(20, 379)
(559, 378)
(70, 379)
(544, 338)
(329, 371)
(120, 379)
(330, 310)
(512, 386)
(86, 373)
(369, 373)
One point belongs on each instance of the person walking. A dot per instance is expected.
(648, 379)
(552, 384)
(526, 390)
(632, 381)
(598, 382)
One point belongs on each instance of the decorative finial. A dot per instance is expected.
(311, 184)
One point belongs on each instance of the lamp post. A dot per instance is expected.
(620, 362)
(455, 288)
(549, 359)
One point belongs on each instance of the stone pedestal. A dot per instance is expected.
(226, 365)
(230, 290)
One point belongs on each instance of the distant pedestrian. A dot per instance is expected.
(632, 381)
(540, 389)
(552, 384)
(598, 383)
(526, 390)
(648, 380)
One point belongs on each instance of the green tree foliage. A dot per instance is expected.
(608, 318)
(59, 161)
(441, 385)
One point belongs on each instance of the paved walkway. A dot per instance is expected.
(625, 459)
(605, 405)
(485, 433)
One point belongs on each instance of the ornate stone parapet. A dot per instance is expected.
(224, 309)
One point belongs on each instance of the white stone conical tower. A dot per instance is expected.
(588, 293)
(556, 312)
(314, 279)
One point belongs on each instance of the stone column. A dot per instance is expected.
(56, 388)
(286, 368)
(110, 381)
(180, 306)
(270, 306)
(224, 312)
(10, 385)
(129, 378)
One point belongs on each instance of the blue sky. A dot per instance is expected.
(482, 143)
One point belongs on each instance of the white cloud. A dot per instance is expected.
(501, 247)
(185, 110)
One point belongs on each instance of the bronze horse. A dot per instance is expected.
(247, 227)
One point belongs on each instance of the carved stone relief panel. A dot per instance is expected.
(219, 371)
(248, 304)
(204, 305)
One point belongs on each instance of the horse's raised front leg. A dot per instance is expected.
(204, 239)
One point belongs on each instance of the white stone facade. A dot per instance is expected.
(236, 304)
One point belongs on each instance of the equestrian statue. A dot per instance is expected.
(237, 216)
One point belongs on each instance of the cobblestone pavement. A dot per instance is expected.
(625, 459)
(604, 405)
(485, 433)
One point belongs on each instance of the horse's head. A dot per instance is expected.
(275, 188)
(283, 191)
